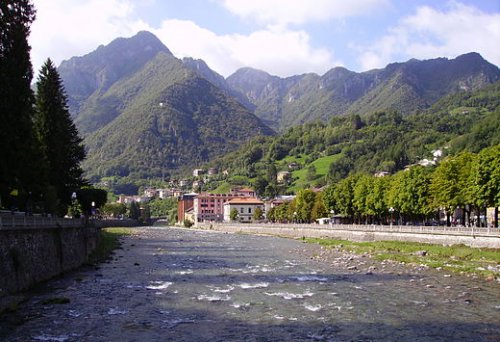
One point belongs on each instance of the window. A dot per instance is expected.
(241, 210)
(249, 210)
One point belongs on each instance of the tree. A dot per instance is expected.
(134, 210)
(57, 134)
(450, 186)
(305, 202)
(319, 209)
(89, 195)
(21, 168)
(258, 214)
(233, 215)
(114, 209)
(409, 192)
(486, 179)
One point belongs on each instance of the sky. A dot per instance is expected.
(282, 37)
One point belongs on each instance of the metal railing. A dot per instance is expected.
(20, 220)
(445, 230)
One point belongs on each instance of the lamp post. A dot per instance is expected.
(391, 210)
(294, 217)
(332, 218)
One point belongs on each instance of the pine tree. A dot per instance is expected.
(21, 172)
(57, 134)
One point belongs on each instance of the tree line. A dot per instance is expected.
(466, 181)
(41, 149)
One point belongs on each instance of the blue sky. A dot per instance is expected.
(282, 37)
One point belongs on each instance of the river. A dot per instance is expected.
(185, 285)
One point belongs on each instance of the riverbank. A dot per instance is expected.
(191, 285)
(449, 254)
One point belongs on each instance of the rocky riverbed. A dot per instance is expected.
(168, 284)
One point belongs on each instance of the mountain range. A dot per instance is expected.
(145, 113)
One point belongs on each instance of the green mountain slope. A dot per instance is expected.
(382, 141)
(158, 118)
(405, 87)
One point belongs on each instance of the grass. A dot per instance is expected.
(322, 166)
(110, 240)
(456, 258)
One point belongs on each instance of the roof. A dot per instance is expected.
(245, 200)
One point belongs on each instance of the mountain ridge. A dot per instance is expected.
(145, 113)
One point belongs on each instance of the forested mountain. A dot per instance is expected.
(145, 114)
(405, 87)
(384, 141)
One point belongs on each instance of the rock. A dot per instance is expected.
(420, 253)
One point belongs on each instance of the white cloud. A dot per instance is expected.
(64, 28)
(430, 33)
(276, 50)
(284, 12)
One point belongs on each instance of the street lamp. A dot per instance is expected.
(294, 217)
(391, 210)
(332, 213)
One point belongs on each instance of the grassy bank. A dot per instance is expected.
(456, 258)
(110, 240)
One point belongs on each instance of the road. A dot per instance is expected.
(187, 285)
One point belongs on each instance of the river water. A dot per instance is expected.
(187, 285)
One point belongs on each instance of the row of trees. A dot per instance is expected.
(41, 149)
(468, 181)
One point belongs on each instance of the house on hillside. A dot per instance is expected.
(245, 207)
(198, 172)
(283, 176)
(243, 192)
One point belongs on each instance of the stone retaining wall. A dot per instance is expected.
(32, 255)
(357, 235)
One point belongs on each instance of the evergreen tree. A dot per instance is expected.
(21, 171)
(57, 134)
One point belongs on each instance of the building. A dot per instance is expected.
(198, 172)
(150, 192)
(243, 192)
(210, 207)
(245, 206)
(184, 205)
(129, 199)
(283, 176)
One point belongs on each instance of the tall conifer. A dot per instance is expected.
(57, 134)
(20, 169)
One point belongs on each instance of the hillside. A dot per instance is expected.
(384, 141)
(154, 116)
(405, 87)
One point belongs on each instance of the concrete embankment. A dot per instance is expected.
(31, 255)
(34, 249)
(478, 238)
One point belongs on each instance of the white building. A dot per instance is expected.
(245, 206)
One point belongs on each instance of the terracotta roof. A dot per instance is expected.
(244, 200)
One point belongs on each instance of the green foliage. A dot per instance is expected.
(114, 209)
(134, 210)
(305, 202)
(258, 214)
(383, 141)
(21, 169)
(233, 215)
(164, 208)
(57, 135)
